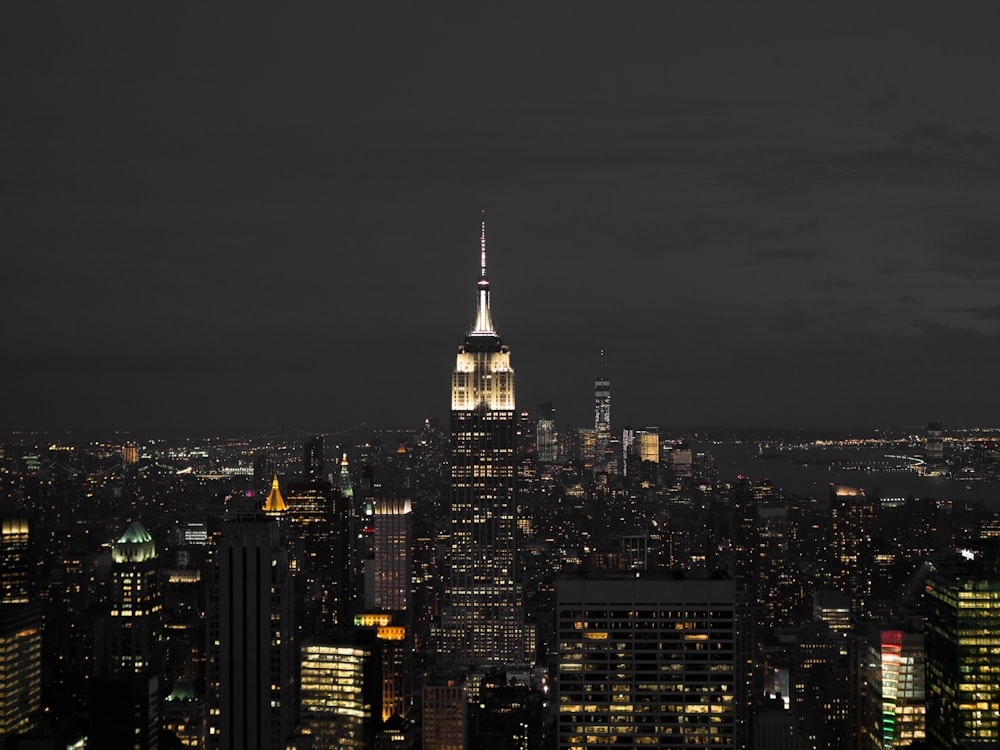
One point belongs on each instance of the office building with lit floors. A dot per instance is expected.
(15, 562)
(893, 676)
(20, 631)
(482, 620)
(962, 642)
(341, 691)
(250, 666)
(646, 661)
(20, 668)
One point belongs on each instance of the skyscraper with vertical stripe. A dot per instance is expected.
(482, 619)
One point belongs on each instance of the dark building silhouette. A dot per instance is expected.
(312, 459)
(250, 637)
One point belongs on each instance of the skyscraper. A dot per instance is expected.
(125, 705)
(962, 641)
(136, 604)
(483, 620)
(250, 668)
(602, 421)
(602, 402)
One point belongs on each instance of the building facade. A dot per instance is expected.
(646, 661)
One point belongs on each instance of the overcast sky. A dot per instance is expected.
(222, 219)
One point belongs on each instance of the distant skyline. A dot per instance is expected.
(770, 214)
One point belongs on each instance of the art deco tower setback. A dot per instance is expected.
(482, 620)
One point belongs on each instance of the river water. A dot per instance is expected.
(814, 479)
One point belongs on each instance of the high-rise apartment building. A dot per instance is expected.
(250, 656)
(483, 620)
(962, 641)
(648, 660)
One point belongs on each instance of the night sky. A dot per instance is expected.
(219, 218)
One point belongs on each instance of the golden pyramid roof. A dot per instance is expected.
(275, 502)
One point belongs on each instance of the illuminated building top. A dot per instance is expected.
(483, 377)
(135, 545)
(346, 489)
(275, 502)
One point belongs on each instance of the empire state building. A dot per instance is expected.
(483, 619)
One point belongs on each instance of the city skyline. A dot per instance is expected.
(771, 216)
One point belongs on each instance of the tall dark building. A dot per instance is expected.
(315, 519)
(250, 666)
(483, 620)
(312, 459)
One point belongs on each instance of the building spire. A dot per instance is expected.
(484, 321)
(482, 247)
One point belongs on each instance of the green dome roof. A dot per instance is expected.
(135, 534)
(183, 691)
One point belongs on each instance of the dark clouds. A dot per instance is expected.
(228, 218)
